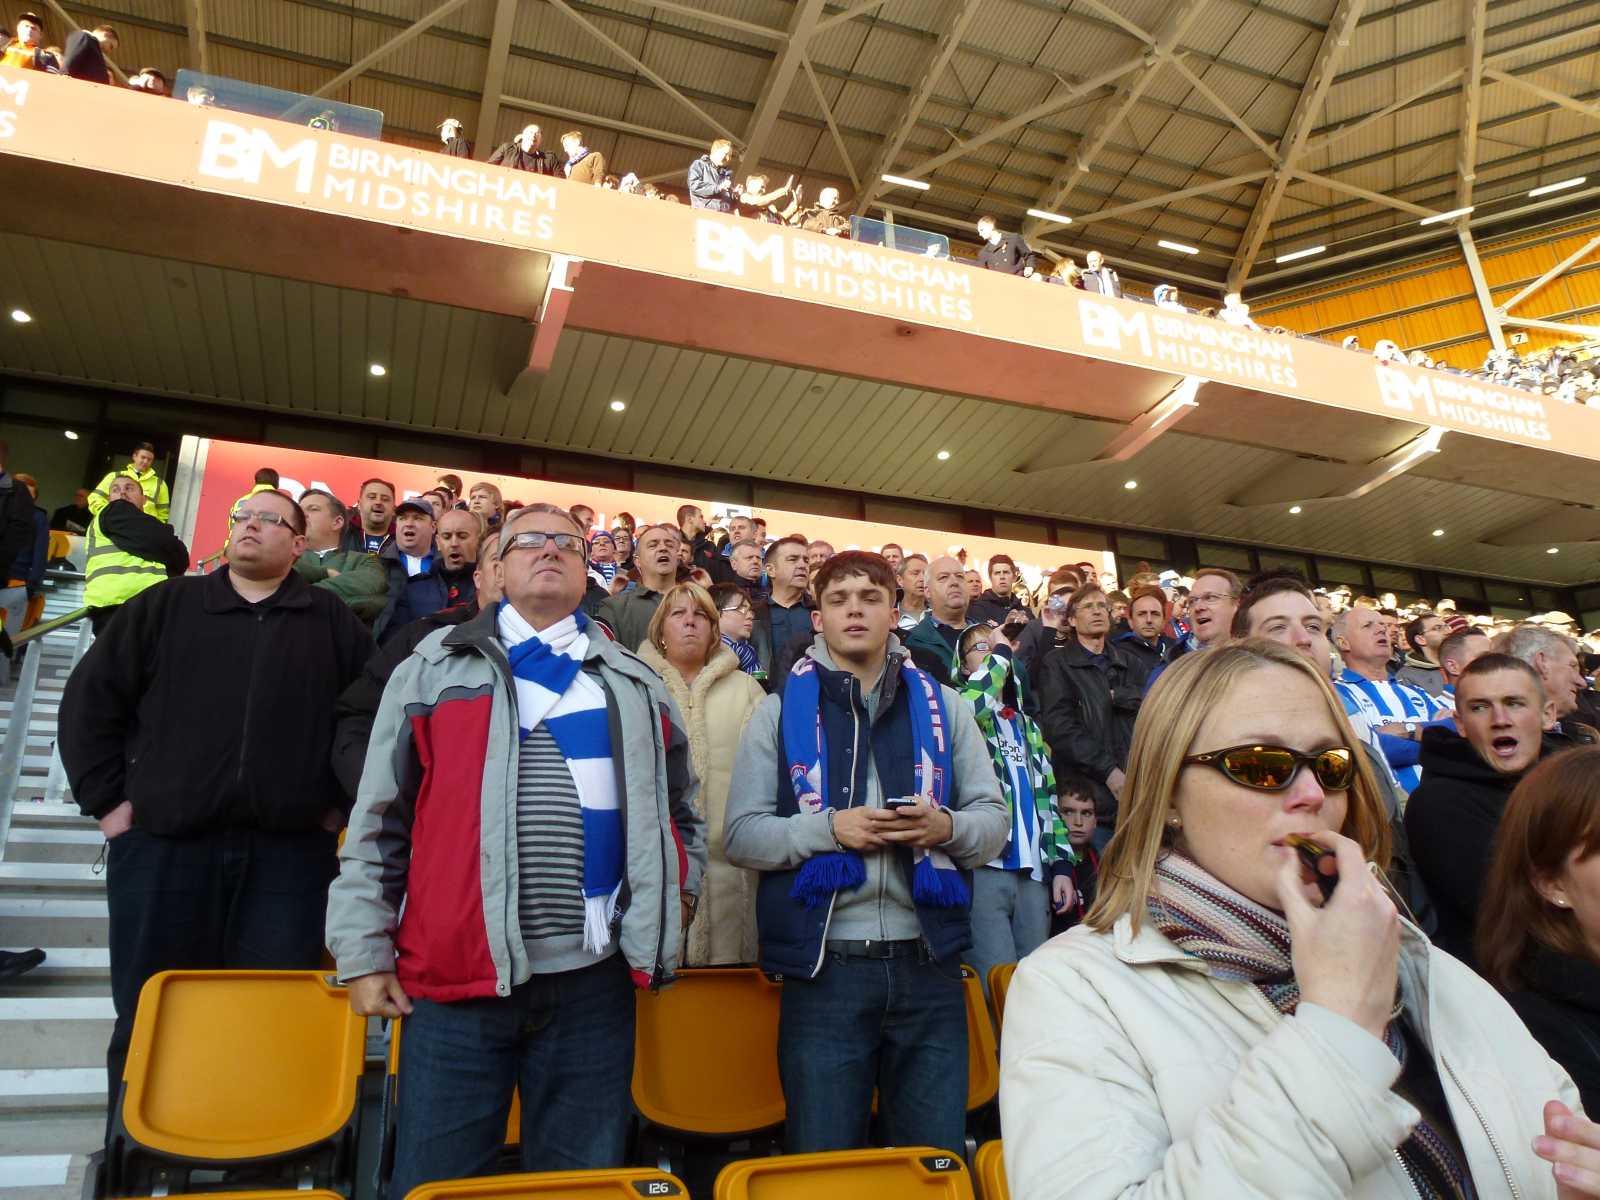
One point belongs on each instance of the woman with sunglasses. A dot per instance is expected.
(1216, 1028)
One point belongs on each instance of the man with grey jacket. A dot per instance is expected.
(524, 850)
(865, 796)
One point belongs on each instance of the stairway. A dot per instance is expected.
(55, 1020)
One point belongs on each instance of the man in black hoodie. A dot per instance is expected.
(998, 602)
(1454, 813)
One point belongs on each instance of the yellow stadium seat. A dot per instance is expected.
(624, 1183)
(706, 1053)
(990, 1168)
(999, 983)
(916, 1173)
(983, 1057)
(285, 1194)
(235, 1071)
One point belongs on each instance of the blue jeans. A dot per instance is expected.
(898, 1024)
(564, 1041)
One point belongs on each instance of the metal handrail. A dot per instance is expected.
(16, 739)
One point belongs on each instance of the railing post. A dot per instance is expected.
(17, 737)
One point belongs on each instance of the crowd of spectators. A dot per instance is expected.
(1042, 757)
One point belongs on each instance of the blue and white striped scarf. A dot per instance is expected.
(547, 666)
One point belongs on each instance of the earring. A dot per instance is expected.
(1175, 822)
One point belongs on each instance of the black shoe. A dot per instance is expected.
(19, 962)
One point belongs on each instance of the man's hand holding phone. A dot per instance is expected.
(909, 822)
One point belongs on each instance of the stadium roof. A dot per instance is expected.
(1245, 129)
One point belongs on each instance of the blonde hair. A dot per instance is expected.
(1187, 692)
(701, 599)
(721, 144)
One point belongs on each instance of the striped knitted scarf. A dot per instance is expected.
(1240, 940)
(547, 667)
(985, 690)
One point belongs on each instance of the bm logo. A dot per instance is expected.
(1105, 328)
(242, 153)
(729, 250)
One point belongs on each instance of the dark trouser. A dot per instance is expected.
(563, 1042)
(899, 1024)
(232, 899)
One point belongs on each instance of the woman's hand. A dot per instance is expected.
(1572, 1143)
(1346, 953)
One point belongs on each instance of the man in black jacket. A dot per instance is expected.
(16, 517)
(1088, 698)
(1453, 815)
(87, 56)
(998, 602)
(358, 703)
(692, 528)
(523, 153)
(1097, 277)
(427, 571)
(1001, 251)
(197, 731)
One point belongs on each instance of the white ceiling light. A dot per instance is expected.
(902, 181)
(1131, 484)
(70, 434)
(1295, 511)
(21, 316)
(1178, 246)
(1553, 550)
(943, 456)
(1447, 216)
(1559, 187)
(618, 405)
(377, 370)
(1058, 218)
(1306, 253)
(1438, 533)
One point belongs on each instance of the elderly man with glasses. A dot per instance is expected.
(198, 731)
(524, 851)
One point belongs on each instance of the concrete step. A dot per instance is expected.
(43, 1176)
(43, 880)
(42, 1036)
(54, 845)
(74, 923)
(42, 814)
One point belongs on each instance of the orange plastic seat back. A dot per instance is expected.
(915, 1173)
(999, 983)
(228, 1065)
(513, 1118)
(983, 1057)
(286, 1194)
(990, 1167)
(706, 1053)
(624, 1183)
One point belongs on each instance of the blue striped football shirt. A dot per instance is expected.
(1375, 702)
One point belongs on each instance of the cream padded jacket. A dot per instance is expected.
(1127, 1071)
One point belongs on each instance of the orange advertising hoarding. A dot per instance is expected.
(230, 467)
(138, 136)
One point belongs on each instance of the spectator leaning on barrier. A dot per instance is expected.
(1097, 277)
(824, 216)
(582, 164)
(523, 153)
(197, 730)
(711, 179)
(88, 53)
(151, 82)
(1005, 252)
(26, 51)
(863, 908)
(126, 551)
(759, 204)
(141, 466)
(455, 142)
(529, 773)
(355, 576)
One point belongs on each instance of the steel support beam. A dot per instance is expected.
(956, 14)
(1582, 331)
(1558, 98)
(1199, 189)
(411, 32)
(1480, 287)
(1339, 185)
(494, 75)
(599, 122)
(1335, 40)
(1572, 259)
(716, 18)
(199, 54)
(1471, 103)
(1113, 112)
(803, 23)
(849, 13)
(833, 129)
(622, 52)
(1179, 63)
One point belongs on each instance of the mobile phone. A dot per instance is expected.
(896, 803)
(1311, 855)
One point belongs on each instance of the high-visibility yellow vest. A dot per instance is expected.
(114, 576)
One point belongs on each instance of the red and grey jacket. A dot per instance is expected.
(435, 822)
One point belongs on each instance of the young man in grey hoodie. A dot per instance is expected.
(864, 794)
